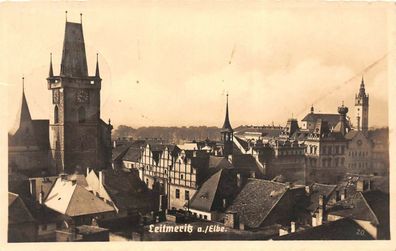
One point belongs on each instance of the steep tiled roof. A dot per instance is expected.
(256, 200)
(333, 119)
(119, 151)
(74, 61)
(317, 190)
(244, 162)
(242, 142)
(126, 189)
(218, 162)
(17, 211)
(133, 154)
(204, 197)
(356, 207)
(343, 229)
(69, 198)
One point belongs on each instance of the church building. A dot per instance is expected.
(75, 137)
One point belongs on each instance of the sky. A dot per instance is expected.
(171, 63)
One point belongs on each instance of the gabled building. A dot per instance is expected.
(214, 195)
(262, 203)
(77, 202)
(22, 227)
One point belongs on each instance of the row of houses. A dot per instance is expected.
(77, 207)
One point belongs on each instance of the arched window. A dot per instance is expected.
(81, 114)
(56, 115)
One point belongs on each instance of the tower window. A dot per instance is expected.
(56, 115)
(81, 115)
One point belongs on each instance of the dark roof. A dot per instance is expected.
(126, 189)
(343, 229)
(256, 200)
(355, 207)
(22, 116)
(204, 197)
(18, 213)
(242, 142)
(317, 190)
(133, 154)
(74, 61)
(351, 134)
(379, 204)
(218, 162)
(119, 151)
(245, 162)
(332, 119)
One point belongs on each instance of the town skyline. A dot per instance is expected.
(256, 67)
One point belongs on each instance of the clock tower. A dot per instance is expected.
(362, 109)
(78, 137)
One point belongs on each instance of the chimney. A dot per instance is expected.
(321, 210)
(229, 157)
(308, 190)
(224, 203)
(41, 197)
(239, 180)
(101, 179)
(343, 194)
(114, 143)
(231, 220)
(360, 185)
(292, 227)
(321, 200)
(87, 171)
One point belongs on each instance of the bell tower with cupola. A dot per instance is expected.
(78, 137)
(362, 109)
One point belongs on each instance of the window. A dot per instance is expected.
(205, 217)
(56, 115)
(44, 227)
(81, 115)
(177, 193)
(187, 195)
(181, 176)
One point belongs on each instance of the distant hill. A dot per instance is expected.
(171, 134)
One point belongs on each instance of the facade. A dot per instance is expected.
(78, 137)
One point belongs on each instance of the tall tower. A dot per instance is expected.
(78, 137)
(362, 109)
(227, 134)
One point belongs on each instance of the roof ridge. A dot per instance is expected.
(368, 205)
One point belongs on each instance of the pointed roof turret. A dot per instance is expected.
(97, 74)
(74, 60)
(23, 115)
(227, 125)
(51, 71)
(362, 90)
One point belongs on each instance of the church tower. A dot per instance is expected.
(227, 134)
(362, 109)
(78, 137)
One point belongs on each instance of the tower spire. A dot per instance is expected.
(97, 74)
(227, 124)
(51, 72)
